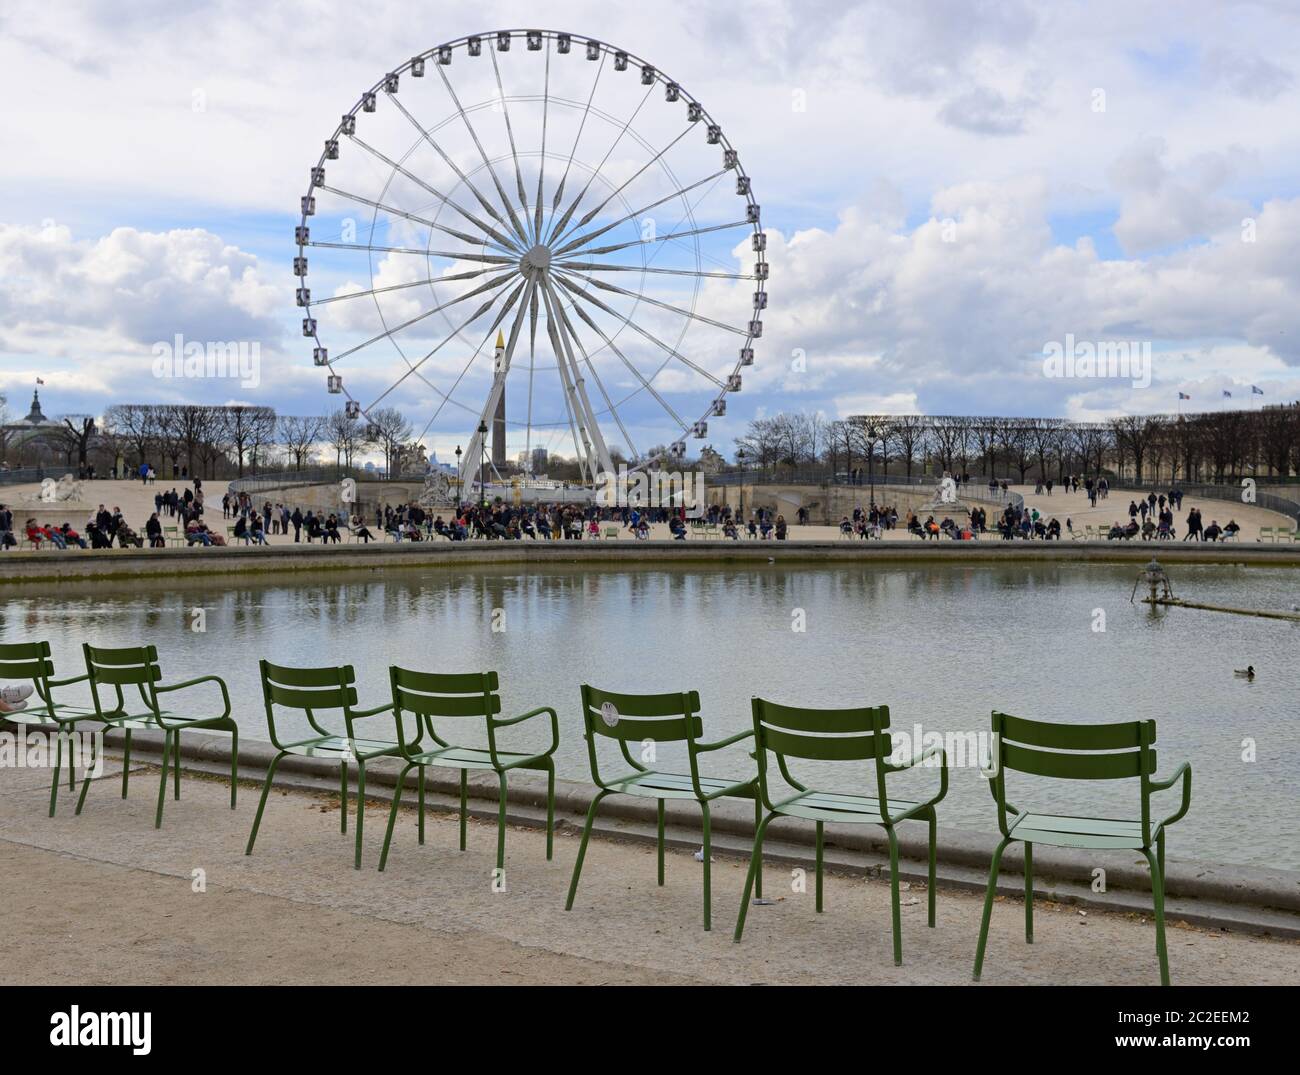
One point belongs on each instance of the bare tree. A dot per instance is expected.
(299, 436)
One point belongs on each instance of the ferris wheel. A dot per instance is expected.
(536, 241)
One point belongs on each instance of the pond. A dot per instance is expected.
(941, 644)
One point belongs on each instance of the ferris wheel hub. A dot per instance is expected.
(536, 259)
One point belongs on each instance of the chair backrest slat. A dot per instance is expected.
(857, 734)
(1038, 733)
(25, 660)
(663, 718)
(132, 664)
(1076, 751)
(438, 694)
(309, 688)
(1091, 766)
(326, 698)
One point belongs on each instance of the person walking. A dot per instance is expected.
(296, 519)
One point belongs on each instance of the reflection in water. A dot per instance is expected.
(941, 644)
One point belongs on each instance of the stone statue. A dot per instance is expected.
(946, 491)
(66, 488)
(437, 489)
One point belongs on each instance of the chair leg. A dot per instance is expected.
(392, 812)
(261, 802)
(758, 820)
(1158, 898)
(126, 763)
(550, 810)
(464, 818)
(755, 865)
(72, 768)
(708, 863)
(162, 784)
(660, 804)
(176, 764)
(420, 829)
(934, 823)
(1029, 893)
(361, 811)
(893, 894)
(988, 906)
(58, 761)
(582, 848)
(234, 765)
(85, 785)
(820, 854)
(501, 823)
(343, 797)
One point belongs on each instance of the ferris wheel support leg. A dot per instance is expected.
(597, 451)
(474, 455)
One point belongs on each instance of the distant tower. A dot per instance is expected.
(499, 419)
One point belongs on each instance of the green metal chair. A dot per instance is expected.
(826, 735)
(138, 666)
(308, 691)
(31, 661)
(1080, 752)
(661, 718)
(426, 695)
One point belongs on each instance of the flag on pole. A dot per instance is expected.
(1255, 390)
(1183, 395)
(1227, 394)
(39, 381)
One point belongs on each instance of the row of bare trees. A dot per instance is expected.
(1210, 447)
(233, 440)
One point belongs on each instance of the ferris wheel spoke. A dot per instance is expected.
(485, 308)
(541, 160)
(641, 296)
(567, 327)
(630, 366)
(499, 282)
(574, 288)
(414, 217)
(510, 134)
(668, 237)
(590, 216)
(595, 266)
(447, 396)
(493, 259)
(582, 125)
(488, 207)
(563, 223)
(487, 228)
(469, 275)
(496, 182)
(576, 245)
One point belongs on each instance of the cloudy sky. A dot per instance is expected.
(948, 189)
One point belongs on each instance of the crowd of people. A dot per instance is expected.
(179, 516)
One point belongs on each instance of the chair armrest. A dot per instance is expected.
(738, 737)
(555, 725)
(70, 679)
(943, 782)
(225, 693)
(1184, 773)
(386, 708)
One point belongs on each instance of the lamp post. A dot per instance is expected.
(482, 474)
(458, 480)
